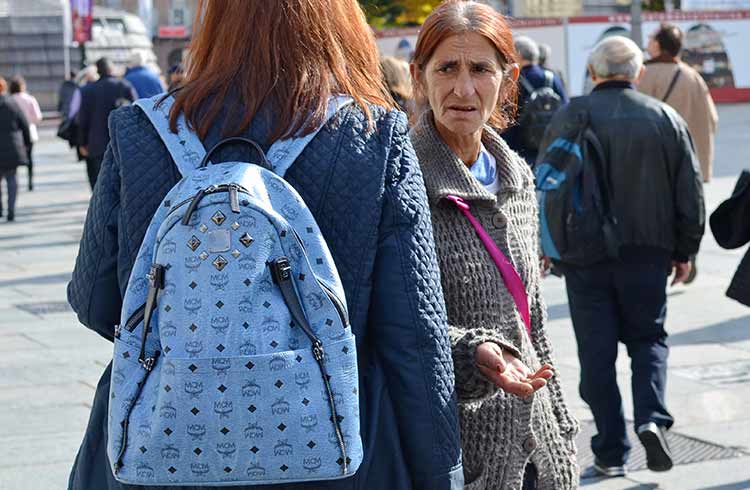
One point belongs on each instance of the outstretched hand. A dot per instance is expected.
(508, 372)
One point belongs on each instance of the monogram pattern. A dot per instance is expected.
(235, 395)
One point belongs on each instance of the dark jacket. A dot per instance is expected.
(650, 166)
(14, 135)
(366, 192)
(98, 99)
(536, 77)
(145, 82)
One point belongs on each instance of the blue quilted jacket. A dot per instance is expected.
(366, 192)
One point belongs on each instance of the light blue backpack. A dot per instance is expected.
(234, 362)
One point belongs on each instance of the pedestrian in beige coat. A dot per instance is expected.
(516, 430)
(689, 94)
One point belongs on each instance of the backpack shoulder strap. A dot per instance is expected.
(672, 84)
(549, 79)
(185, 147)
(283, 153)
(526, 84)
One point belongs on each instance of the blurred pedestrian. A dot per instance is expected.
(143, 79)
(15, 139)
(33, 113)
(654, 193)
(362, 181)
(545, 52)
(65, 95)
(176, 75)
(515, 433)
(670, 80)
(540, 95)
(98, 99)
(396, 74)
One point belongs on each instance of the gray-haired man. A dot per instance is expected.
(656, 197)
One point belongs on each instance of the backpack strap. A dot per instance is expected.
(672, 84)
(549, 79)
(283, 153)
(526, 84)
(185, 147)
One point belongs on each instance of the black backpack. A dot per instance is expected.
(542, 103)
(576, 219)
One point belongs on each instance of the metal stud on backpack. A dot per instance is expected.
(234, 363)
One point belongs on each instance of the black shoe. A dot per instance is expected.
(11, 217)
(598, 470)
(693, 271)
(658, 455)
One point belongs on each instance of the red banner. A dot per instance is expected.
(81, 12)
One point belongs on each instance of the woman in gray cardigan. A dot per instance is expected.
(516, 429)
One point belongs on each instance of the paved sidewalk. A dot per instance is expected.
(49, 364)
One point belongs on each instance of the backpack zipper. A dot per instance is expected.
(232, 189)
(156, 278)
(281, 272)
(135, 318)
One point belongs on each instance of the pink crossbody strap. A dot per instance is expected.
(510, 276)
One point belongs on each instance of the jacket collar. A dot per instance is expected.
(663, 58)
(614, 84)
(445, 174)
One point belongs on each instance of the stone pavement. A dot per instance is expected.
(49, 364)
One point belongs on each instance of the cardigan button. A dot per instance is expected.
(529, 445)
(499, 220)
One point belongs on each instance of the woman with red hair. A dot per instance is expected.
(265, 70)
(516, 429)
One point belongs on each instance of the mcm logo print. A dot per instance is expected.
(302, 379)
(191, 156)
(250, 389)
(144, 430)
(220, 281)
(194, 389)
(220, 324)
(308, 422)
(146, 254)
(144, 471)
(253, 431)
(273, 183)
(269, 240)
(248, 349)
(290, 212)
(280, 407)
(221, 365)
(199, 469)
(167, 411)
(246, 263)
(255, 470)
(283, 448)
(223, 408)
(338, 399)
(169, 452)
(169, 368)
(170, 288)
(246, 304)
(270, 324)
(266, 286)
(315, 300)
(169, 246)
(293, 343)
(140, 285)
(277, 363)
(335, 334)
(193, 305)
(192, 263)
(247, 221)
(295, 253)
(194, 347)
(196, 431)
(312, 464)
(168, 329)
(333, 438)
(226, 449)
(118, 377)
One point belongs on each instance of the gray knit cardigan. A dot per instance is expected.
(500, 433)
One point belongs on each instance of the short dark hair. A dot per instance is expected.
(103, 67)
(669, 37)
(17, 84)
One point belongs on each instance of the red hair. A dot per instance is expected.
(292, 54)
(454, 17)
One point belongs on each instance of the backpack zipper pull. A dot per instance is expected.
(156, 278)
(234, 201)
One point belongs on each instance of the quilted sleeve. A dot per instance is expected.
(408, 313)
(93, 291)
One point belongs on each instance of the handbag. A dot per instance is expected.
(509, 274)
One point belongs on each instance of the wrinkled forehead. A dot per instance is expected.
(466, 48)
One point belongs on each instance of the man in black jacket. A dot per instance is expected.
(656, 196)
(98, 99)
(14, 143)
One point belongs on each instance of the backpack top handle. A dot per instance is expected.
(238, 139)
